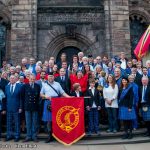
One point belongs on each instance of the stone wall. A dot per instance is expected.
(24, 29)
(117, 27)
(82, 27)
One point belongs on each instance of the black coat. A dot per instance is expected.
(138, 79)
(94, 98)
(31, 97)
(127, 101)
(75, 95)
(64, 84)
(147, 95)
(3, 83)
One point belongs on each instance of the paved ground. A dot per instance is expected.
(56, 146)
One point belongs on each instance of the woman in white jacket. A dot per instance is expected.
(110, 93)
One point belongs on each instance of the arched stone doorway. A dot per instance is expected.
(80, 43)
(70, 51)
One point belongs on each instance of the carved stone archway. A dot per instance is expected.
(81, 42)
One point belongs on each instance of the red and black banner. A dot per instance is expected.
(68, 119)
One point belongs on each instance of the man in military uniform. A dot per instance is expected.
(49, 90)
(31, 97)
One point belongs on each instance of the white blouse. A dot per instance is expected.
(110, 93)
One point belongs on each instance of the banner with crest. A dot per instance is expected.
(68, 119)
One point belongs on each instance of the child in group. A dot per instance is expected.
(93, 106)
(76, 90)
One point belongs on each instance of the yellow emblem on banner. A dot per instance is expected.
(67, 118)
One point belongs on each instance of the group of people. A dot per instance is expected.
(117, 87)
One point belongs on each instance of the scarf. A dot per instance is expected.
(124, 92)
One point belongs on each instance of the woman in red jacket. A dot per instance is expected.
(81, 79)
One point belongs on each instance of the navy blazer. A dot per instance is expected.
(64, 84)
(13, 101)
(94, 98)
(147, 95)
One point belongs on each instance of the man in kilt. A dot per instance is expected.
(144, 94)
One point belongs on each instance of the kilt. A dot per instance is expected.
(146, 115)
(47, 115)
(124, 114)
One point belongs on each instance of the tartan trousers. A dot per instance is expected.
(93, 120)
(13, 118)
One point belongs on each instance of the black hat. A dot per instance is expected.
(118, 62)
(125, 78)
(90, 56)
(51, 73)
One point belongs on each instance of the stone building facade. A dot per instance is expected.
(44, 28)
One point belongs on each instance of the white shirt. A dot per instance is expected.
(143, 100)
(93, 91)
(123, 64)
(110, 93)
(77, 93)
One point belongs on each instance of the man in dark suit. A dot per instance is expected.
(31, 97)
(144, 95)
(93, 106)
(137, 76)
(13, 108)
(41, 102)
(145, 74)
(64, 81)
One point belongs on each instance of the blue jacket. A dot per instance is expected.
(13, 101)
(136, 93)
(33, 70)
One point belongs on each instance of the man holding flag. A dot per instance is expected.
(50, 89)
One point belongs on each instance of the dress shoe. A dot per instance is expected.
(35, 140)
(48, 140)
(130, 136)
(125, 136)
(27, 140)
(16, 140)
(146, 134)
(8, 139)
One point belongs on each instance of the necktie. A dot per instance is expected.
(11, 90)
(144, 93)
(32, 85)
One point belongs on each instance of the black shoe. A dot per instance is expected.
(125, 136)
(8, 139)
(48, 140)
(146, 134)
(16, 140)
(35, 140)
(130, 136)
(27, 140)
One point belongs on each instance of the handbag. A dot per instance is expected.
(145, 108)
(49, 107)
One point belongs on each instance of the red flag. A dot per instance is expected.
(68, 119)
(143, 45)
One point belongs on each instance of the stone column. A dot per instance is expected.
(117, 27)
(24, 30)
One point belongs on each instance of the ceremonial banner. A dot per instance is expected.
(143, 45)
(68, 119)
